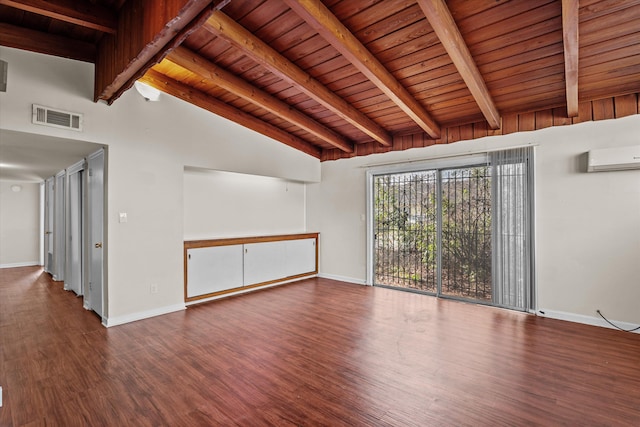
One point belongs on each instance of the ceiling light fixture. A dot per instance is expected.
(148, 93)
(10, 166)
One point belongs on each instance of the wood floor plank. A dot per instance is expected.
(316, 352)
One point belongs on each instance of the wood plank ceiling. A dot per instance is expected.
(334, 76)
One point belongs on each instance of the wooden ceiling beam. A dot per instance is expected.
(83, 13)
(50, 44)
(445, 27)
(146, 30)
(570, 10)
(225, 27)
(321, 19)
(188, 94)
(209, 71)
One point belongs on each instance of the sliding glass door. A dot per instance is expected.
(461, 232)
(405, 230)
(465, 210)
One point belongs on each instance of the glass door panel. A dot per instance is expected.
(405, 230)
(466, 233)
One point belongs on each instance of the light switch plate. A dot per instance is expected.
(123, 217)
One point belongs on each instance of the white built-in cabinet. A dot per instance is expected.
(225, 265)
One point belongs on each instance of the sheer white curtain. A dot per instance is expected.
(513, 228)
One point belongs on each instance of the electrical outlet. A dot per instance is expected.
(153, 288)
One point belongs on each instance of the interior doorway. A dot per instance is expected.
(95, 231)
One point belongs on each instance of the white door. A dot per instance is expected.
(48, 226)
(73, 276)
(59, 233)
(96, 247)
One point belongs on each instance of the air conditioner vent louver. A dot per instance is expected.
(56, 118)
(41, 115)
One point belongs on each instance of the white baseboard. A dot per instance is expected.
(342, 278)
(20, 264)
(587, 320)
(120, 320)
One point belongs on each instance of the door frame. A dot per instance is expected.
(48, 224)
(454, 162)
(71, 237)
(96, 218)
(59, 225)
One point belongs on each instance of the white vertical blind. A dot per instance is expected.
(512, 216)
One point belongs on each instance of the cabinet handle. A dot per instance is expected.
(98, 245)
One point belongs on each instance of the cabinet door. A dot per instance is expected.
(213, 269)
(300, 257)
(264, 262)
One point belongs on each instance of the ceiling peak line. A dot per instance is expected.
(176, 41)
(116, 70)
(329, 27)
(221, 25)
(211, 72)
(445, 27)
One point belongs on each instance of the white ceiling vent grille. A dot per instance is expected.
(56, 118)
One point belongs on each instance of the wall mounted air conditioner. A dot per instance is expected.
(614, 159)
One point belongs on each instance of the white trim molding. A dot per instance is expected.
(128, 318)
(342, 279)
(21, 264)
(586, 320)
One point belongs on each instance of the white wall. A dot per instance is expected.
(588, 225)
(19, 224)
(225, 204)
(149, 144)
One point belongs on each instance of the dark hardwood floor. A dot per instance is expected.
(317, 352)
